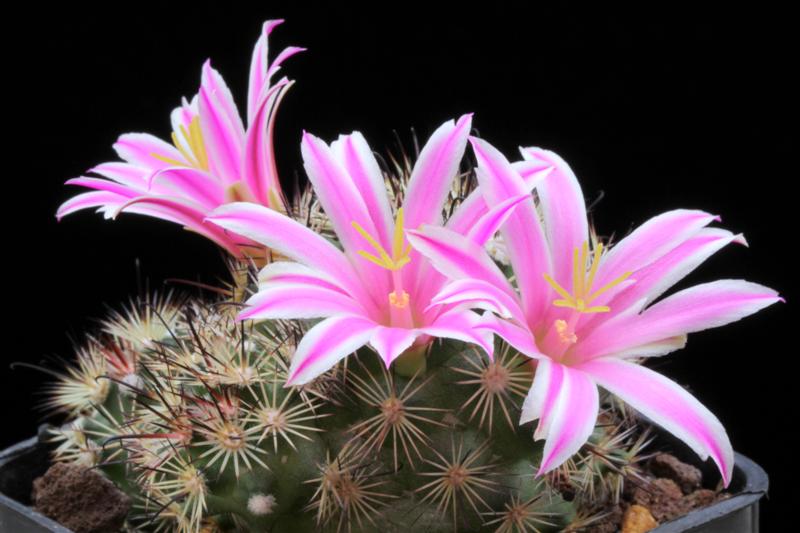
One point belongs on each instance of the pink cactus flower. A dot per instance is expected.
(587, 313)
(212, 160)
(376, 290)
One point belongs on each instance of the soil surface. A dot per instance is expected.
(80, 499)
(672, 489)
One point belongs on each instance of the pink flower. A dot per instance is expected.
(212, 160)
(587, 313)
(376, 290)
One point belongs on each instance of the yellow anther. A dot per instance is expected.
(562, 328)
(582, 296)
(401, 302)
(400, 253)
(196, 155)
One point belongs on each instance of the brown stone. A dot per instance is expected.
(685, 475)
(663, 497)
(699, 498)
(638, 519)
(80, 499)
(608, 523)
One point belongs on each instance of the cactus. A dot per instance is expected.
(185, 409)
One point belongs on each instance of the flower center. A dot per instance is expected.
(582, 295)
(190, 144)
(400, 256)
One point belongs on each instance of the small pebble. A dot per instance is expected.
(637, 519)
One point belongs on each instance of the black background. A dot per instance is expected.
(658, 110)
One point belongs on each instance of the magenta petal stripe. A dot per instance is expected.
(571, 420)
(668, 405)
(326, 344)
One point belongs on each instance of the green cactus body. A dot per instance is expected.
(197, 426)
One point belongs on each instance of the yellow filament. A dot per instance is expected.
(400, 253)
(582, 284)
(196, 155)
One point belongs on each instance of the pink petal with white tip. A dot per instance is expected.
(572, 418)
(287, 272)
(391, 342)
(522, 233)
(518, 337)
(88, 200)
(295, 301)
(126, 174)
(462, 326)
(436, 166)
(337, 193)
(223, 131)
(564, 211)
(651, 241)
(290, 238)
(656, 278)
(668, 405)
(457, 257)
(148, 151)
(326, 344)
(193, 184)
(488, 224)
(478, 294)
(704, 306)
(258, 69)
(355, 155)
(259, 170)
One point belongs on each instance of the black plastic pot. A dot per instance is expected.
(25, 461)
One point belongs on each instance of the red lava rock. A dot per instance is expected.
(663, 497)
(686, 476)
(80, 499)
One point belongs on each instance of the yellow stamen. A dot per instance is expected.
(196, 155)
(400, 253)
(582, 296)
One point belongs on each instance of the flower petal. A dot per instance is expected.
(704, 306)
(326, 344)
(668, 405)
(542, 396)
(258, 79)
(522, 233)
(223, 131)
(297, 301)
(145, 150)
(288, 272)
(355, 155)
(564, 211)
(461, 326)
(478, 294)
(290, 238)
(102, 199)
(457, 257)
(190, 183)
(572, 418)
(651, 241)
(488, 224)
(341, 200)
(434, 171)
(260, 171)
(656, 278)
(391, 342)
(518, 337)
